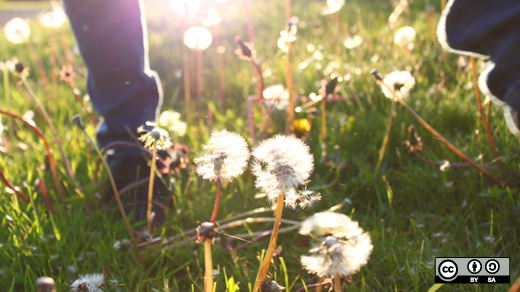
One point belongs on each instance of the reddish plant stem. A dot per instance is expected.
(66, 49)
(12, 187)
(289, 73)
(485, 122)
(41, 68)
(53, 129)
(439, 136)
(329, 282)
(46, 196)
(52, 162)
(54, 72)
(217, 202)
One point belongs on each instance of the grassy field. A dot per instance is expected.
(413, 211)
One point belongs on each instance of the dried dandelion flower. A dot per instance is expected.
(17, 30)
(155, 136)
(344, 247)
(246, 51)
(268, 285)
(401, 82)
(283, 163)
(89, 283)
(20, 70)
(404, 37)
(225, 156)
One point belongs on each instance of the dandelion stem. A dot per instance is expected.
(324, 122)
(337, 283)
(150, 188)
(217, 202)
(385, 142)
(53, 129)
(439, 136)
(186, 75)
(12, 187)
(272, 244)
(485, 122)
(52, 161)
(116, 193)
(6, 86)
(208, 263)
(54, 72)
(41, 68)
(289, 72)
(78, 98)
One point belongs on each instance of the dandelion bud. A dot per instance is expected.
(45, 284)
(268, 285)
(205, 231)
(375, 73)
(78, 121)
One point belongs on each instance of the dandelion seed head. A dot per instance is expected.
(225, 157)
(8, 64)
(344, 248)
(212, 18)
(333, 6)
(404, 37)
(197, 38)
(401, 82)
(353, 42)
(281, 164)
(172, 121)
(17, 30)
(54, 18)
(88, 283)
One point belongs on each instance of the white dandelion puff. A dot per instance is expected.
(54, 18)
(282, 164)
(333, 6)
(225, 157)
(171, 120)
(8, 64)
(88, 283)
(400, 81)
(197, 38)
(17, 30)
(404, 37)
(344, 247)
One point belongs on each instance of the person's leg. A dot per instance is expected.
(488, 28)
(112, 39)
(111, 35)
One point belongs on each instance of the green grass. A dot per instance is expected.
(457, 212)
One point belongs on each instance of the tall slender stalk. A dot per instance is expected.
(289, 73)
(385, 142)
(217, 202)
(208, 265)
(54, 64)
(337, 283)
(150, 188)
(437, 134)
(80, 100)
(6, 86)
(186, 75)
(52, 161)
(53, 129)
(272, 244)
(41, 68)
(77, 120)
(485, 122)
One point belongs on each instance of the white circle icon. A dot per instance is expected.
(448, 270)
(474, 266)
(492, 266)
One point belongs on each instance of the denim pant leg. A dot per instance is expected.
(111, 35)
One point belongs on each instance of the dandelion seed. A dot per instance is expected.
(54, 18)
(197, 38)
(344, 247)
(225, 157)
(282, 164)
(17, 30)
(400, 81)
(89, 283)
(404, 37)
(333, 6)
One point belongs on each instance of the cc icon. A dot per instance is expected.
(448, 270)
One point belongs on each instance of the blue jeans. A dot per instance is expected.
(488, 28)
(111, 35)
